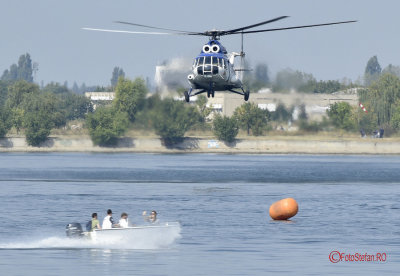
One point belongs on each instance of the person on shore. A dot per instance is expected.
(95, 222)
(108, 221)
(152, 218)
(123, 222)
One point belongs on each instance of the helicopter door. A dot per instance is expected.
(227, 68)
(224, 68)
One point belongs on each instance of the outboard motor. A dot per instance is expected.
(74, 230)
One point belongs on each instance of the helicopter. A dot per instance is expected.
(213, 69)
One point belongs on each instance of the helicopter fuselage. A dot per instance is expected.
(213, 70)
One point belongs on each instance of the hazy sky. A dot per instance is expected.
(51, 32)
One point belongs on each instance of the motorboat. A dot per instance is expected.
(159, 233)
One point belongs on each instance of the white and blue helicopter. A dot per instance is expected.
(213, 69)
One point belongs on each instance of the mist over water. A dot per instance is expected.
(346, 203)
(162, 239)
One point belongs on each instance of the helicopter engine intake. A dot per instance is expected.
(215, 49)
(206, 49)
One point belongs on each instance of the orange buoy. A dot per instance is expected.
(284, 209)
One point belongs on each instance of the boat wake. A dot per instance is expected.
(164, 238)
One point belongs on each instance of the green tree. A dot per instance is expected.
(289, 79)
(39, 117)
(261, 73)
(225, 128)
(201, 103)
(25, 69)
(10, 75)
(22, 71)
(395, 122)
(392, 69)
(75, 88)
(3, 92)
(74, 106)
(5, 121)
(330, 86)
(17, 118)
(382, 97)
(116, 74)
(372, 71)
(171, 119)
(56, 88)
(257, 79)
(303, 113)
(143, 118)
(310, 126)
(17, 92)
(38, 125)
(251, 117)
(366, 121)
(83, 88)
(281, 113)
(129, 96)
(341, 115)
(107, 124)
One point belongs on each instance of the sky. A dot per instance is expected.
(50, 31)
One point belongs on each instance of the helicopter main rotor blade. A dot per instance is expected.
(130, 32)
(254, 25)
(156, 28)
(296, 27)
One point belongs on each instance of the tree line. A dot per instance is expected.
(35, 110)
(289, 79)
(381, 98)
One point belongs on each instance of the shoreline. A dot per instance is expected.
(264, 145)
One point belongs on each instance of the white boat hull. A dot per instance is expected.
(160, 235)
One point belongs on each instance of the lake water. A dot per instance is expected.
(349, 204)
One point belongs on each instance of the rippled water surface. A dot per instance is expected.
(349, 204)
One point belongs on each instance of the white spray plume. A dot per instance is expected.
(172, 74)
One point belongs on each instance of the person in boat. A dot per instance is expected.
(95, 222)
(108, 221)
(152, 218)
(123, 222)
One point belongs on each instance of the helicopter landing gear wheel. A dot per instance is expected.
(208, 94)
(246, 95)
(187, 97)
(212, 94)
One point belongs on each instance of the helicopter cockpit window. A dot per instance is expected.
(215, 61)
(201, 61)
(208, 65)
(200, 68)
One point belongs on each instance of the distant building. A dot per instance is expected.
(316, 105)
(100, 98)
